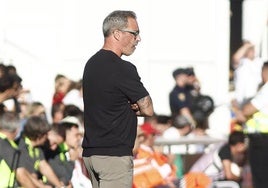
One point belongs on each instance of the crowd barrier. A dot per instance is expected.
(188, 155)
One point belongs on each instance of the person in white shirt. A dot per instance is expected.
(247, 74)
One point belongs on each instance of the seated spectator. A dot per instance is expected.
(55, 137)
(57, 112)
(10, 88)
(139, 139)
(12, 169)
(181, 126)
(178, 127)
(160, 171)
(64, 159)
(74, 95)
(162, 124)
(74, 111)
(62, 86)
(225, 161)
(35, 108)
(34, 135)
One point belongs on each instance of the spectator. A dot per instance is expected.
(180, 97)
(193, 82)
(185, 98)
(35, 108)
(12, 168)
(63, 159)
(57, 112)
(74, 111)
(10, 88)
(162, 167)
(74, 96)
(138, 141)
(62, 86)
(247, 74)
(55, 137)
(179, 126)
(35, 135)
(225, 161)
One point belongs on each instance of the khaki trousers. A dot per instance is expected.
(110, 171)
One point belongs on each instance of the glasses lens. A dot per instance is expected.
(134, 33)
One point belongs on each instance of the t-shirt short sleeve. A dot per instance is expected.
(225, 153)
(130, 83)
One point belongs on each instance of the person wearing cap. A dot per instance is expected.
(180, 96)
(159, 160)
(193, 83)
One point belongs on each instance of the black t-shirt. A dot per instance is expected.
(110, 85)
(225, 153)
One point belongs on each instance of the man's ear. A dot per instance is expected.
(116, 34)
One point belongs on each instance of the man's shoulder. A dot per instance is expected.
(225, 152)
(4, 145)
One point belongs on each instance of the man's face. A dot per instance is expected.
(129, 40)
(240, 148)
(54, 140)
(73, 137)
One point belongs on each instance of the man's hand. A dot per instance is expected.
(135, 107)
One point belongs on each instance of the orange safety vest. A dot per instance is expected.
(195, 180)
(151, 168)
(145, 174)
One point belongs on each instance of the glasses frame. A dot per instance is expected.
(134, 33)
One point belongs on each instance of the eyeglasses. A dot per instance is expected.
(134, 33)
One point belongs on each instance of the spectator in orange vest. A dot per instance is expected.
(159, 163)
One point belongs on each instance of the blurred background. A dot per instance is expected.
(45, 38)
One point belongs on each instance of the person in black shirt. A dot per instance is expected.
(113, 97)
(225, 160)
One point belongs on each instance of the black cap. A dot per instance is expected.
(178, 72)
(190, 71)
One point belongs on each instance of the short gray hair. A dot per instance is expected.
(116, 20)
(9, 121)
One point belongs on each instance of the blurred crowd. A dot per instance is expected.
(38, 152)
